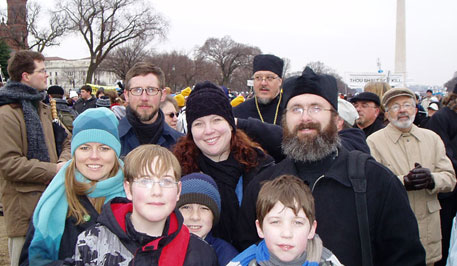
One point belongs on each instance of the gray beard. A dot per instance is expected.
(310, 149)
(264, 101)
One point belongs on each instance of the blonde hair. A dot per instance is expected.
(150, 158)
(74, 188)
(378, 88)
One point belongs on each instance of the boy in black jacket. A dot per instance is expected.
(144, 229)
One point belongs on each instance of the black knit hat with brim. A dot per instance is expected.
(208, 99)
(312, 83)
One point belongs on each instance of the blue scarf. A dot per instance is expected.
(51, 212)
(260, 254)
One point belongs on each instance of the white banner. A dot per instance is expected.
(358, 80)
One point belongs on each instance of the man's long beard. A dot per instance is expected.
(310, 148)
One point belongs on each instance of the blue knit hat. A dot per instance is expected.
(96, 125)
(201, 189)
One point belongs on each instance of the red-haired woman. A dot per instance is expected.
(215, 147)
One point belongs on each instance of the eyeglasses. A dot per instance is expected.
(151, 91)
(146, 182)
(266, 78)
(396, 107)
(42, 71)
(311, 110)
(172, 115)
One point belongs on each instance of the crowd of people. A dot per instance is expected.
(294, 175)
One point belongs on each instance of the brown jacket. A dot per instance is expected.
(22, 180)
(399, 151)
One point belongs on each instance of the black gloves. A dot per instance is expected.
(418, 178)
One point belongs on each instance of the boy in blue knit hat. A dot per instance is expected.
(200, 205)
(286, 222)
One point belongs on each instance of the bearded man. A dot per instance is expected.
(267, 104)
(418, 157)
(314, 154)
(144, 121)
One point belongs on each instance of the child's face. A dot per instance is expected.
(152, 205)
(198, 218)
(286, 234)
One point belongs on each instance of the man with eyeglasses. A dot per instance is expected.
(315, 155)
(418, 157)
(367, 105)
(86, 101)
(144, 122)
(28, 154)
(267, 104)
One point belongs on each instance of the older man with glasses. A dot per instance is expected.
(418, 157)
(144, 122)
(267, 104)
(367, 105)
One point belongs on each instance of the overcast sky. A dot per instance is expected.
(347, 35)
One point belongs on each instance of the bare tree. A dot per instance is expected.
(228, 55)
(43, 37)
(321, 68)
(122, 58)
(106, 24)
(180, 70)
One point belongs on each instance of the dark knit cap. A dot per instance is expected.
(56, 90)
(208, 99)
(268, 62)
(103, 101)
(201, 189)
(366, 96)
(312, 83)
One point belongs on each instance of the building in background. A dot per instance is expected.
(71, 73)
(14, 31)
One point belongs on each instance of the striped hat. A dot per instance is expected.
(201, 189)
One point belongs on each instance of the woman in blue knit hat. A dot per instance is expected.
(213, 145)
(74, 198)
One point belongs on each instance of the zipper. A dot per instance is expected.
(320, 177)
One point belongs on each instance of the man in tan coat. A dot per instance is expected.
(418, 157)
(28, 155)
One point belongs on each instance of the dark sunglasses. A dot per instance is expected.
(171, 115)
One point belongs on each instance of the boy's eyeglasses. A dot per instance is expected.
(172, 115)
(149, 182)
(151, 91)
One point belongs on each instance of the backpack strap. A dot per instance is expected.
(356, 171)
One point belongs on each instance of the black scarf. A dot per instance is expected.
(29, 98)
(226, 174)
(146, 133)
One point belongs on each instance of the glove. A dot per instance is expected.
(419, 178)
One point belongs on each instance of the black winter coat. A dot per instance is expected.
(248, 109)
(109, 242)
(82, 105)
(393, 226)
(226, 182)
